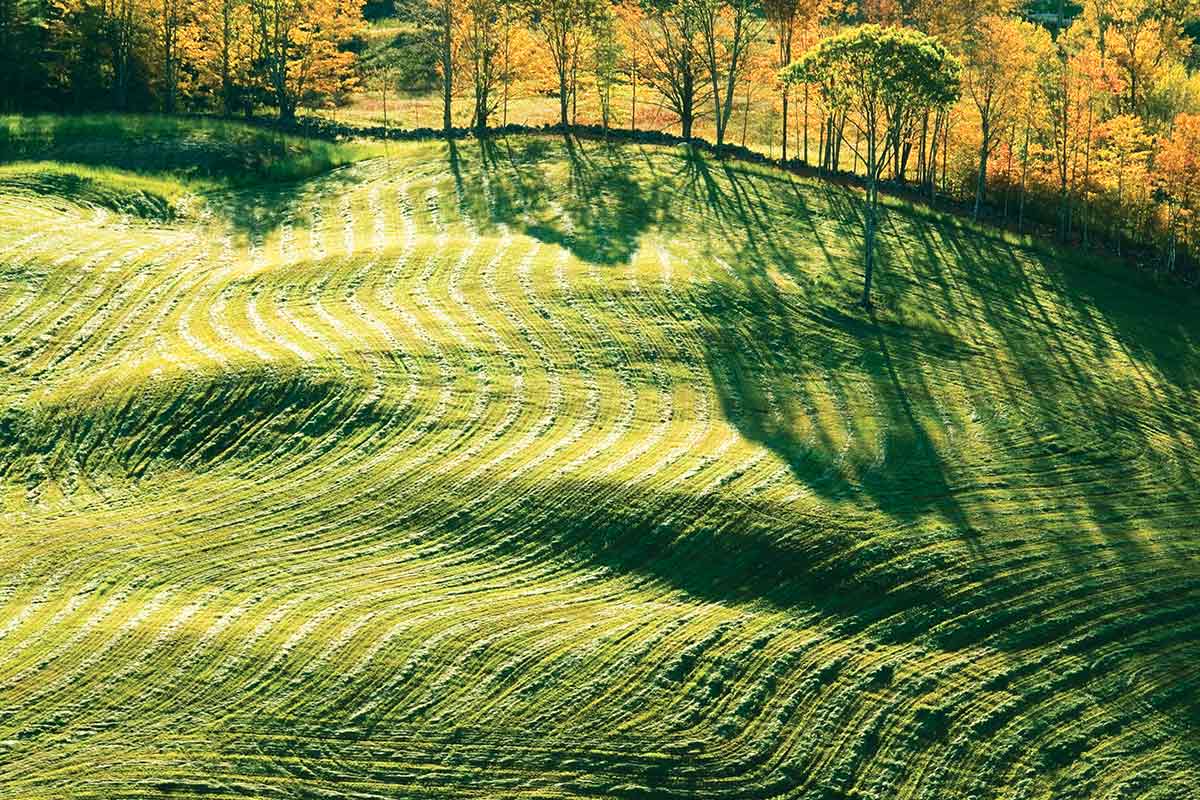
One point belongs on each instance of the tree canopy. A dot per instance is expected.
(880, 79)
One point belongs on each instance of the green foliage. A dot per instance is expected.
(406, 53)
(606, 58)
(880, 80)
(880, 72)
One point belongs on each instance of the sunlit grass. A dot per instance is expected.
(535, 468)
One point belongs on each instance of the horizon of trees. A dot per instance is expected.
(1081, 117)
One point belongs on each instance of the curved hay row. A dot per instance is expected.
(536, 470)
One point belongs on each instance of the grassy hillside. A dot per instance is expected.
(535, 470)
(198, 153)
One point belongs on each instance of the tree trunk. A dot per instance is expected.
(1116, 225)
(383, 93)
(283, 98)
(821, 146)
(447, 68)
(718, 113)
(633, 109)
(746, 120)
(896, 154)
(1087, 176)
(1012, 140)
(921, 154)
(507, 66)
(931, 166)
(1024, 178)
(168, 58)
(688, 105)
(574, 90)
(783, 142)
(981, 182)
(796, 147)
(869, 268)
(837, 141)
(1170, 259)
(806, 124)
(482, 101)
(1064, 215)
(829, 124)
(227, 98)
(121, 57)
(945, 151)
(785, 42)
(869, 243)
(564, 100)
(869, 227)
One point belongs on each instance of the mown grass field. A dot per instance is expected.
(538, 469)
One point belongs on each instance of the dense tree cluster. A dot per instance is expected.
(1080, 118)
(1065, 118)
(170, 55)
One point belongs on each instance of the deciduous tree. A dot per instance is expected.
(879, 78)
(728, 28)
(674, 65)
(1123, 159)
(22, 23)
(1177, 174)
(998, 65)
(168, 17)
(606, 52)
(300, 54)
(783, 16)
(630, 20)
(481, 52)
(1142, 37)
(563, 25)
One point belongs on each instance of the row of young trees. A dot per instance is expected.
(1088, 124)
(690, 54)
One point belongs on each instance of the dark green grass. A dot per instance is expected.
(189, 149)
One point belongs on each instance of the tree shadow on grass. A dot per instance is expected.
(1068, 389)
(1029, 539)
(1089, 377)
(258, 211)
(715, 548)
(836, 397)
(588, 199)
(857, 405)
(835, 393)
